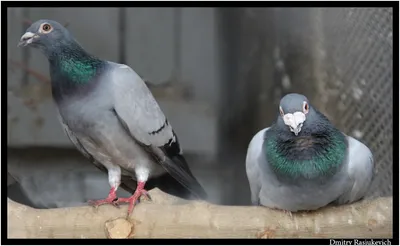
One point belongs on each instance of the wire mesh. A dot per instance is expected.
(351, 54)
(358, 57)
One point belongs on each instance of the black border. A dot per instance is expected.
(5, 5)
(395, 123)
(46, 4)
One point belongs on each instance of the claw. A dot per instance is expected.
(115, 204)
(92, 204)
(288, 213)
(147, 195)
(111, 199)
(135, 198)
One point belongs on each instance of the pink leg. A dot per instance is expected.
(111, 198)
(140, 191)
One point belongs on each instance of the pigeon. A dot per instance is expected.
(303, 163)
(111, 117)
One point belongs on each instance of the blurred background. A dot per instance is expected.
(218, 74)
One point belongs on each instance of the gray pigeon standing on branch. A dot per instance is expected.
(303, 162)
(112, 118)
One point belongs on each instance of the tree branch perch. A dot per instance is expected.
(167, 217)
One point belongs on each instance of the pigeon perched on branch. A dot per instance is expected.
(112, 118)
(303, 162)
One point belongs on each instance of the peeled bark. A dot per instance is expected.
(170, 217)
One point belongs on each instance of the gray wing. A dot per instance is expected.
(127, 182)
(253, 170)
(142, 118)
(360, 171)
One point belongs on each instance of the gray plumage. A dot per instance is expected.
(109, 113)
(274, 152)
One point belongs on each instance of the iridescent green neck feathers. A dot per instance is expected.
(77, 70)
(307, 157)
(72, 65)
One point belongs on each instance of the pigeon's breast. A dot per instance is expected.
(301, 195)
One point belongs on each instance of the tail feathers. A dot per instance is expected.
(179, 170)
(171, 186)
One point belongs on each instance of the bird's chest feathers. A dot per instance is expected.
(307, 157)
(304, 143)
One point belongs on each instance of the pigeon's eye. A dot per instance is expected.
(281, 111)
(46, 28)
(305, 107)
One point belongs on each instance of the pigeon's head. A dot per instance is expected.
(44, 34)
(294, 110)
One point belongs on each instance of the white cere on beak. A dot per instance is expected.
(294, 121)
(26, 39)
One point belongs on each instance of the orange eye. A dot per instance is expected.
(305, 107)
(281, 111)
(46, 27)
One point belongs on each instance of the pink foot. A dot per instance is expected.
(140, 191)
(111, 199)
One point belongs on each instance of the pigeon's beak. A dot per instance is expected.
(296, 130)
(26, 39)
(294, 121)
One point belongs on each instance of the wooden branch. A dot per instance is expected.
(166, 218)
